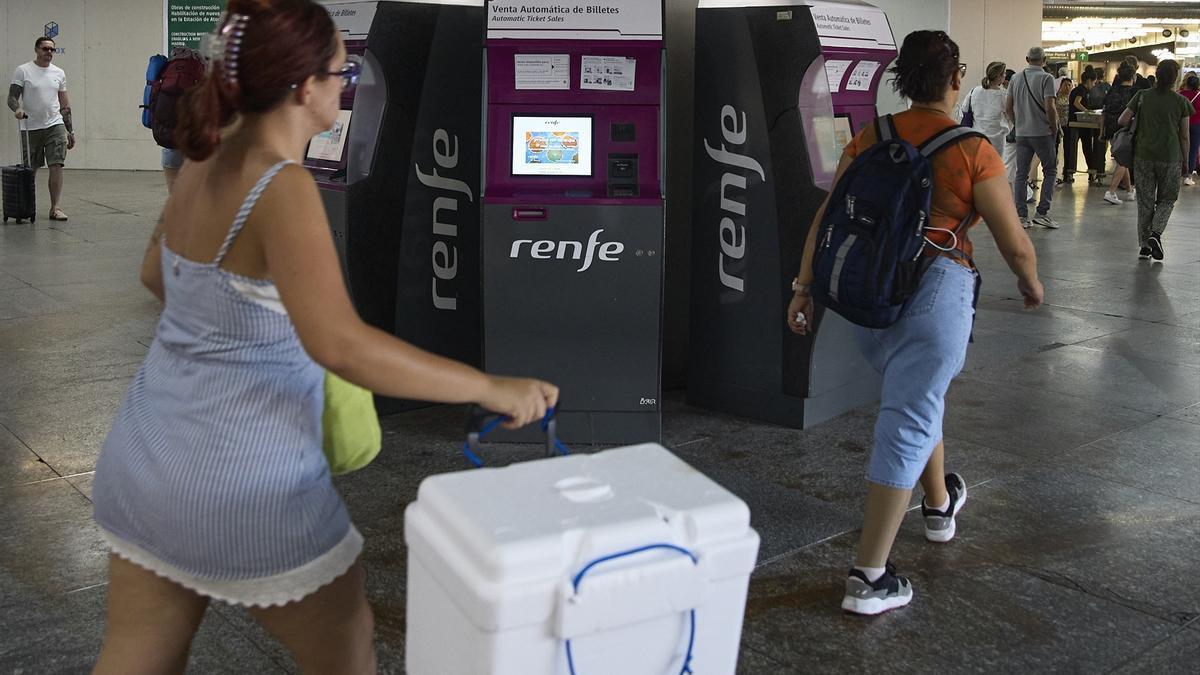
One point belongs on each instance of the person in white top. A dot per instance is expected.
(38, 95)
(986, 103)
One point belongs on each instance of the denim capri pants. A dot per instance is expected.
(918, 356)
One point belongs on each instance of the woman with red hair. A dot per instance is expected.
(212, 482)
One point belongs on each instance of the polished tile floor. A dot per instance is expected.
(1077, 427)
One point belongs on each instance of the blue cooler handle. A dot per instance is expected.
(575, 581)
(481, 422)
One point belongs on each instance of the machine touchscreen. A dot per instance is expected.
(560, 145)
(328, 146)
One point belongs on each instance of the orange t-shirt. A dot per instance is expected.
(956, 170)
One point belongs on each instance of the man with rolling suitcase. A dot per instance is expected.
(38, 95)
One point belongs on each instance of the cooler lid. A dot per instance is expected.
(540, 520)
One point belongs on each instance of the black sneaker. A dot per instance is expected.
(1144, 253)
(939, 525)
(870, 598)
(1156, 249)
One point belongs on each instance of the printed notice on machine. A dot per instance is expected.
(328, 145)
(834, 71)
(609, 73)
(543, 71)
(862, 76)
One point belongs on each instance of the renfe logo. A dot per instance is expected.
(549, 250)
(731, 233)
(445, 251)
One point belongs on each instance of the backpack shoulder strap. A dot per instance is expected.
(946, 138)
(885, 129)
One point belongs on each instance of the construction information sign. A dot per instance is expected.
(186, 21)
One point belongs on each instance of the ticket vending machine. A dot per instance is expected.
(399, 172)
(573, 209)
(781, 88)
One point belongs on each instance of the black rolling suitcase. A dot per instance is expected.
(19, 195)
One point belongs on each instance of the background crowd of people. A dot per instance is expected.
(1037, 117)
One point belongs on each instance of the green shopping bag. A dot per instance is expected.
(350, 426)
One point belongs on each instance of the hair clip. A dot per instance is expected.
(223, 45)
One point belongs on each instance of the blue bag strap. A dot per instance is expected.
(885, 129)
(247, 206)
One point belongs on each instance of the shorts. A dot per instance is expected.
(172, 159)
(48, 147)
(918, 356)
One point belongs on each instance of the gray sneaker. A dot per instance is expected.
(939, 525)
(1025, 222)
(869, 598)
(1045, 221)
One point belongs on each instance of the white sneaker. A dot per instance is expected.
(1131, 195)
(939, 525)
(1046, 222)
(1189, 181)
(1112, 198)
(867, 598)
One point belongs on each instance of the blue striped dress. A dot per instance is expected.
(213, 474)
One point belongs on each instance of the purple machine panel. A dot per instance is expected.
(638, 108)
(859, 104)
(573, 228)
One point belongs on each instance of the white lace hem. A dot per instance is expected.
(275, 590)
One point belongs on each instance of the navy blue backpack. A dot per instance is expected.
(871, 246)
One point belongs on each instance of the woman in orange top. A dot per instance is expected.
(921, 353)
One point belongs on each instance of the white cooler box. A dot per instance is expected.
(493, 555)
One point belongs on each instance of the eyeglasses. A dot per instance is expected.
(349, 72)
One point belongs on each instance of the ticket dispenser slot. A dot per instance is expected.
(622, 175)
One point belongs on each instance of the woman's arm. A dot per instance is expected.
(1185, 140)
(151, 272)
(801, 302)
(993, 200)
(302, 261)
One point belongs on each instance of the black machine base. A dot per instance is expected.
(788, 411)
(590, 428)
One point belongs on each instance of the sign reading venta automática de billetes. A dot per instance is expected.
(575, 19)
(861, 27)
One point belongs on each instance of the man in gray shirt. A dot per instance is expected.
(1030, 107)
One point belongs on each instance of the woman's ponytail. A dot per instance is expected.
(206, 109)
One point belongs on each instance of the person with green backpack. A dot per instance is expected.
(1161, 141)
